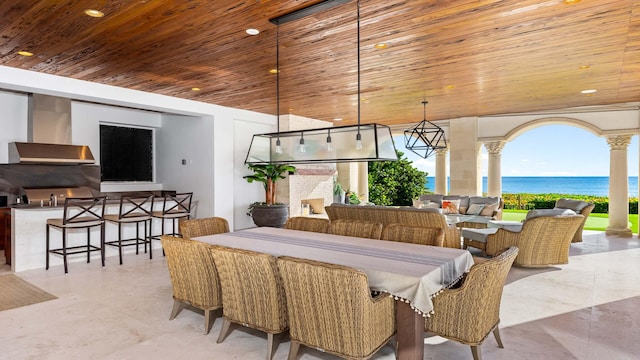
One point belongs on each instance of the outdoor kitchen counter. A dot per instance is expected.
(28, 224)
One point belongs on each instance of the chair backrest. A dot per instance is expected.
(331, 308)
(193, 272)
(135, 206)
(546, 240)
(413, 234)
(80, 209)
(201, 227)
(252, 290)
(479, 295)
(357, 228)
(307, 224)
(179, 203)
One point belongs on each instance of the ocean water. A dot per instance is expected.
(577, 185)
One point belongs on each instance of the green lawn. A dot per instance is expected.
(594, 222)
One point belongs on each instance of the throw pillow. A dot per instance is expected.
(489, 209)
(450, 206)
(433, 205)
(417, 203)
(475, 209)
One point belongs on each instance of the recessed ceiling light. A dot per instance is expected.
(569, 2)
(94, 13)
(450, 87)
(337, 119)
(584, 67)
(25, 53)
(380, 46)
(253, 31)
(273, 71)
(195, 89)
(590, 91)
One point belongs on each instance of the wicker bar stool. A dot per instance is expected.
(133, 210)
(78, 213)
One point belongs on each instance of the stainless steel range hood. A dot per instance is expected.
(49, 135)
(61, 154)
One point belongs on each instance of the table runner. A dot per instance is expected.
(410, 272)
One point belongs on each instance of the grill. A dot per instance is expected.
(55, 196)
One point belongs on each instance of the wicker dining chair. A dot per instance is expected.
(331, 309)
(304, 223)
(252, 294)
(413, 234)
(194, 277)
(201, 227)
(357, 228)
(468, 313)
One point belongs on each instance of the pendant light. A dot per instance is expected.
(373, 142)
(278, 144)
(425, 137)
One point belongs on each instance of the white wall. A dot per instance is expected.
(244, 193)
(13, 122)
(206, 134)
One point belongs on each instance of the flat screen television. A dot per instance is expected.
(126, 154)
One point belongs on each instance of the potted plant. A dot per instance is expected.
(269, 213)
(338, 193)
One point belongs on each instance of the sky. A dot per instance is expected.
(550, 150)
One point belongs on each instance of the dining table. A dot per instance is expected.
(413, 274)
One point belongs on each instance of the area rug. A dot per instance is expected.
(15, 292)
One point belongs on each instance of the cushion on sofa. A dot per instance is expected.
(450, 206)
(464, 200)
(437, 198)
(474, 209)
(548, 212)
(575, 205)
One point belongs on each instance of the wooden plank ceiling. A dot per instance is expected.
(468, 57)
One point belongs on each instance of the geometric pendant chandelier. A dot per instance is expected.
(425, 138)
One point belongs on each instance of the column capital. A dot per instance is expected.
(494, 147)
(442, 152)
(618, 142)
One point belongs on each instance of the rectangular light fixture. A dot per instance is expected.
(323, 145)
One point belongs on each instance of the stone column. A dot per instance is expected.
(441, 171)
(363, 181)
(618, 186)
(464, 157)
(494, 175)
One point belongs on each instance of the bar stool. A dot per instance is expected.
(133, 210)
(174, 207)
(78, 213)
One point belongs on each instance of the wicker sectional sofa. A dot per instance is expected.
(485, 206)
(399, 215)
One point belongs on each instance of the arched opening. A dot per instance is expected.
(562, 156)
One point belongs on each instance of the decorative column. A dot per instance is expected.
(441, 171)
(618, 186)
(494, 175)
(363, 181)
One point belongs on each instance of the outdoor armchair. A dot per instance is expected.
(357, 228)
(201, 227)
(194, 277)
(468, 313)
(330, 308)
(543, 240)
(252, 293)
(580, 207)
(307, 224)
(413, 234)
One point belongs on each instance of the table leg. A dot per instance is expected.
(410, 332)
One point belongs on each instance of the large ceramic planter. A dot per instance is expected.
(270, 215)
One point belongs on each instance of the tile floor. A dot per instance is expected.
(587, 309)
